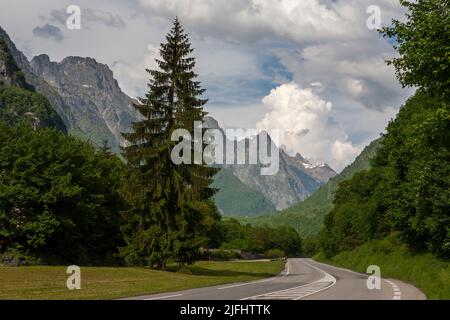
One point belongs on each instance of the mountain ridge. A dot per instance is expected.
(307, 216)
(295, 179)
(83, 92)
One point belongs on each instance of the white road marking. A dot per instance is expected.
(246, 283)
(252, 282)
(302, 291)
(165, 297)
(287, 269)
(397, 292)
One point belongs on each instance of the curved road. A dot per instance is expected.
(301, 279)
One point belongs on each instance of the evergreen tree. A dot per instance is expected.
(171, 210)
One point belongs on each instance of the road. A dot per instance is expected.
(301, 279)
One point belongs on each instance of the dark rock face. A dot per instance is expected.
(295, 180)
(99, 108)
(83, 92)
(39, 84)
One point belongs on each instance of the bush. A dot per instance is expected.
(274, 254)
(221, 255)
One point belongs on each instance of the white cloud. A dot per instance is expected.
(132, 76)
(237, 42)
(257, 19)
(306, 126)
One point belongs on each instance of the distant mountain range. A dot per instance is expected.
(92, 106)
(83, 92)
(295, 180)
(307, 216)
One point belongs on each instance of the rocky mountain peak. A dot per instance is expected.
(101, 111)
(299, 158)
(10, 73)
(295, 180)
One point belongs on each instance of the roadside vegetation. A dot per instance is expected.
(397, 214)
(423, 270)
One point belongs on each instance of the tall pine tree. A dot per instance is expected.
(170, 205)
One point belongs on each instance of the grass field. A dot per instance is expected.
(424, 271)
(43, 282)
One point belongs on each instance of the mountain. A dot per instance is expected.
(92, 106)
(294, 181)
(101, 111)
(18, 99)
(83, 92)
(39, 84)
(307, 216)
(236, 198)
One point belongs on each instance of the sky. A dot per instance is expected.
(313, 69)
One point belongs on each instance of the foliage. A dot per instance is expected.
(424, 47)
(408, 188)
(423, 270)
(221, 255)
(58, 198)
(274, 254)
(170, 203)
(259, 239)
(17, 105)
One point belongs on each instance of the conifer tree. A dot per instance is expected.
(171, 205)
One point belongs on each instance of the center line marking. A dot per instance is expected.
(165, 297)
(246, 284)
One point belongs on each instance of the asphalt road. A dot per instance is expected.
(301, 279)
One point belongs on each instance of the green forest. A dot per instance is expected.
(406, 192)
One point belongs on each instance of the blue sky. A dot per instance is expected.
(300, 66)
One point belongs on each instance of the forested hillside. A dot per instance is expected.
(407, 191)
(18, 99)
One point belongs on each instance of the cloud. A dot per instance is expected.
(91, 15)
(244, 49)
(328, 40)
(254, 20)
(306, 126)
(134, 73)
(251, 20)
(49, 31)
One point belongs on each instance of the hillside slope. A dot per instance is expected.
(307, 216)
(294, 181)
(235, 198)
(18, 99)
(83, 92)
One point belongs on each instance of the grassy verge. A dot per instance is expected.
(44, 282)
(425, 271)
